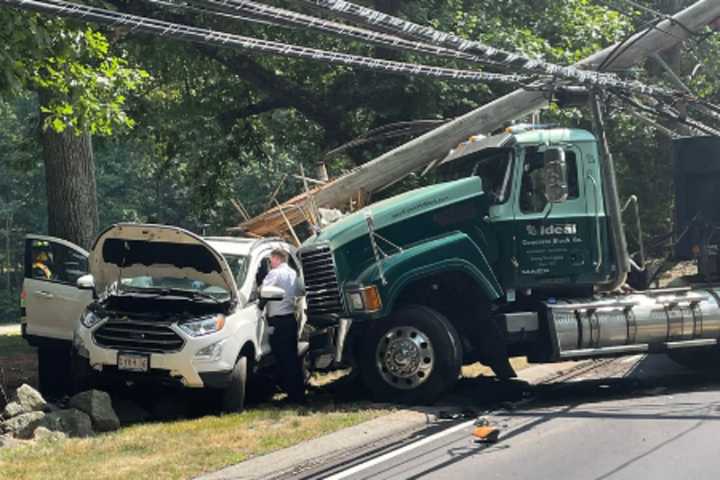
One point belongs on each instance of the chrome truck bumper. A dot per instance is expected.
(644, 322)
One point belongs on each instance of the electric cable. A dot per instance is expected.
(407, 29)
(223, 39)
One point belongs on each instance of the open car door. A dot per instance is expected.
(53, 302)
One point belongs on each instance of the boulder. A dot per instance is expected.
(30, 399)
(98, 406)
(23, 425)
(42, 433)
(13, 409)
(72, 422)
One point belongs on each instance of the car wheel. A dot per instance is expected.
(233, 397)
(414, 356)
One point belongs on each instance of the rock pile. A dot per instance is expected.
(31, 417)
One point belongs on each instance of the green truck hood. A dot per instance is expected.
(397, 209)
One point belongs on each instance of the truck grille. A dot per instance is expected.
(129, 334)
(323, 294)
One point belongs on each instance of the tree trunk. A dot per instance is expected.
(71, 189)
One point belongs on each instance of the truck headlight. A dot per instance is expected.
(89, 319)
(364, 299)
(206, 325)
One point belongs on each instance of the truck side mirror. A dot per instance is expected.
(555, 175)
(86, 282)
(271, 293)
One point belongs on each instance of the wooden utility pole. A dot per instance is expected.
(411, 156)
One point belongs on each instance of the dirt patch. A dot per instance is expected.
(18, 364)
(18, 369)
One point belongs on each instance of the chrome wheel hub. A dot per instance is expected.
(405, 357)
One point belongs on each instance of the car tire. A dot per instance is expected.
(233, 397)
(412, 357)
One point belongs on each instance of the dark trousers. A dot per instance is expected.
(284, 343)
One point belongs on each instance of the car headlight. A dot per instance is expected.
(212, 352)
(206, 325)
(89, 319)
(364, 299)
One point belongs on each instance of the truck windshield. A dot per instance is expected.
(492, 165)
(496, 173)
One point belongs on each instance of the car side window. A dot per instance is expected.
(54, 262)
(263, 270)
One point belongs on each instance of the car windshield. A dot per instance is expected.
(238, 266)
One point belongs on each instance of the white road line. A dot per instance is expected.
(399, 451)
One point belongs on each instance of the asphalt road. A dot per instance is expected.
(633, 418)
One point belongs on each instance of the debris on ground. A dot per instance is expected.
(486, 434)
(461, 415)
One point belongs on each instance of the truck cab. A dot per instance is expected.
(522, 255)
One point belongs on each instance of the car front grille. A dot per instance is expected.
(323, 294)
(123, 333)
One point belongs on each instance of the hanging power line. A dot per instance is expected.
(404, 28)
(283, 17)
(222, 39)
(664, 111)
(205, 11)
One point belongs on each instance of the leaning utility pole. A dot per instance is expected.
(411, 156)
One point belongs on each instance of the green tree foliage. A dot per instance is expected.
(212, 125)
(87, 84)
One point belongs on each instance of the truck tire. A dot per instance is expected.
(233, 397)
(413, 357)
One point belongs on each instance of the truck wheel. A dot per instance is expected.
(412, 357)
(233, 397)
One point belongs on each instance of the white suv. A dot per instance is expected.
(169, 307)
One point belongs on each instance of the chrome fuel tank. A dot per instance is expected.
(648, 321)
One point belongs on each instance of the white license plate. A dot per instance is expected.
(133, 362)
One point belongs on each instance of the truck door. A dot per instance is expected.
(53, 303)
(553, 242)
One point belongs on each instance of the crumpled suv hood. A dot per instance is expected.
(158, 251)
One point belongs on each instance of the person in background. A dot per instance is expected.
(40, 267)
(281, 317)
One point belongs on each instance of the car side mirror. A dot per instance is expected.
(271, 293)
(555, 175)
(86, 282)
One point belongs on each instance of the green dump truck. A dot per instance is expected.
(524, 255)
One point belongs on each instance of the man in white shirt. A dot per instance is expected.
(281, 317)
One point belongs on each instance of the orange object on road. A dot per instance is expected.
(486, 434)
